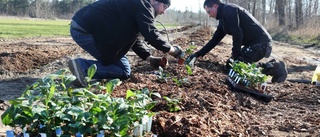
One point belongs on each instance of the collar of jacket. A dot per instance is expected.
(219, 12)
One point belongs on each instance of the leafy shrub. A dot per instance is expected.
(50, 103)
(250, 73)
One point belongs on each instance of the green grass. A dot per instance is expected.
(300, 40)
(11, 28)
(19, 28)
(168, 26)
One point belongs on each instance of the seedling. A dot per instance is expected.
(189, 70)
(173, 104)
(162, 76)
(190, 49)
(248, 75)
(180, 82)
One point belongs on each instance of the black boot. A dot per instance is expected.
(276, 69)
(281, 72)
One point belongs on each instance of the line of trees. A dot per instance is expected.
(291, 13)
(42, 8)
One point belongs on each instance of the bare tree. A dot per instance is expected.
(299, 13)
(316, 6)
(309, 4)
(254, 8)
(264, 10)
(289, 13)
(280, 8)
(271, 5)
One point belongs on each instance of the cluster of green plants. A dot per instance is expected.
(250, 73)
(163, 77)
(190, 49)
(51, 103)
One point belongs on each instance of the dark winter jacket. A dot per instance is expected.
(239, 23)
(116, 24)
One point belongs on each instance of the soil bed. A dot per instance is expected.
(209, 107)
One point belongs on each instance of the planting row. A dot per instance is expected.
(50, 107)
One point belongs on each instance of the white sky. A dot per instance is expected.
(192, 5)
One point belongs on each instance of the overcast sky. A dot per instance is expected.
(192, 5)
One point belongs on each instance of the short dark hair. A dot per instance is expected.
(209, 3)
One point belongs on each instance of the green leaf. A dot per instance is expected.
(176, 108)
(130, 94)
(8, 116)
(75, 111)
(111, 85)
(77, 92)
(50, 94)
(176, 81)
(91, 71)
(145, 91)
(61, 71)
(156, 94)
(167, 99)
(96, 110)
(66, 117)
(68, 79)
(87, 92)
(75, 125)
(189, 70)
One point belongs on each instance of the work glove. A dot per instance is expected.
(228, 65)
(191, 60)
(155, 62)
(178, 52)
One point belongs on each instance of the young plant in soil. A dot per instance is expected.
(49, 104)
(162, 76)
(248, 75)
(190, 49)
(172, 103)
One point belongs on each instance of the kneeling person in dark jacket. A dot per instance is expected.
(108, 29)
(251, 42)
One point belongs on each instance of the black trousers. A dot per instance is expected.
(255, 52)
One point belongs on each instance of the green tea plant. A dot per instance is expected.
(163, 77)
(173, 104)
(180, 82)
(250, 72)
(190, 49)
(51, 103)
(189, 70)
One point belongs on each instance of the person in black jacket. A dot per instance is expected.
(108, 29)
(251, 42)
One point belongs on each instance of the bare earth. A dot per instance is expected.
(209, 106)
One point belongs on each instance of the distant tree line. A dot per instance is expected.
(42, 8)
(292, 13)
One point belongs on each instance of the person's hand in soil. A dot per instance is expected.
(155, 62)
(176, 51)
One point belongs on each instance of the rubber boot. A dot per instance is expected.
(276, 69)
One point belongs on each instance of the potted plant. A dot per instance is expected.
(248, 77)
